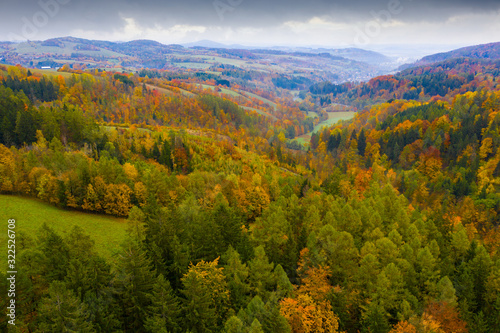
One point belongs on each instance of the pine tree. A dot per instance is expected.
(376, 320)
(86, 271)
(284, 287)
(261, 278)
(233, 325)
(55, 255)
(206, 297)
(61, 311)
(164, 311)
(236, 274)
(480, 324)
(267, 314)
(256, 327)
(134, 283)
(362, 143)
(166, 155)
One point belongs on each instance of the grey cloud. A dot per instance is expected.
(107, 15)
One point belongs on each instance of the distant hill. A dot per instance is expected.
(316, 64)
(370, 57)
(215, 45)
(483, 51)
(352, 53)
(445, 79)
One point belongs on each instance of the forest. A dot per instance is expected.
(384, 223)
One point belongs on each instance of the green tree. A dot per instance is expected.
(61, 311)
(206, 297)
(233, 325)
(361, 142)
(272, 230)
(236, 274)
(134, 283)
(284, 287)
(267, 314)
(375, 320)
(261, 277)
(55, 255)
(256, 327)
(446, 291)
(164, 311)
(86, 271)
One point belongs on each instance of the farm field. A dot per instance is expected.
(224, 91)
(68, 49)
(191, 65)
(49, 72)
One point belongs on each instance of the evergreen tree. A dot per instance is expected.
(233, 325)
(61, 311)
(54, 258)
(164, 311)
(86, 271)
(236, 274)
(362, 143)
(376, 319)
(261, 277)
(480, 324)
(256, 327)
(283, 286)
(134, 283)
(206, 297)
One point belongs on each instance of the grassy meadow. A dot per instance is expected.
(107, 232)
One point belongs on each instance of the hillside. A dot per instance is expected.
(339, 65)
(483, 51)
(385, 222)
(30, 214)
(444, 79)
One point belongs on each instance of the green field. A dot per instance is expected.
(107, 232)
(170, 91)
(311, 114)
(215, 59)
(260, 112)
(333, 118)
(224, 91)
(50, 72)
(36, 48)
(191, 65)
(161, 90)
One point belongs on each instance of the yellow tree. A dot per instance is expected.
(206, 296)
(309, 311)
(7, 167)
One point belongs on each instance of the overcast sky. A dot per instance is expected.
(361, 23)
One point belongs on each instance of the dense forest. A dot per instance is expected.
(442, 80)
(385, 223)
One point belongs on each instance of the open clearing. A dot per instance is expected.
(107, 232)
(333, 118)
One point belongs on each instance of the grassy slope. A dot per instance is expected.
(265, 100)
(26, 48)
(49, 72)
(107, 232)
(333, 117)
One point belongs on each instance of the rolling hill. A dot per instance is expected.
(317, 64)
(483, 51)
